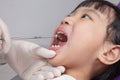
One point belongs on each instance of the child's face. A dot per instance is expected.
(86, 31)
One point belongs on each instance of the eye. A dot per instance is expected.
(86, 16)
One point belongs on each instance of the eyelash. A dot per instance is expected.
(84, 15)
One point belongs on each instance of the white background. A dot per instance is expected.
(33, 18)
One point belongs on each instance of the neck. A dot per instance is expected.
(79, 74)
(85, 72)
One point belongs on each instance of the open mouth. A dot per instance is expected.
(59, 40)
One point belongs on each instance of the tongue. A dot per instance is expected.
(61, 37)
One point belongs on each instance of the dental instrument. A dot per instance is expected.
(24, 38)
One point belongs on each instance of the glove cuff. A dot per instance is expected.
(2, 58)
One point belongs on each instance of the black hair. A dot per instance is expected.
(112, 32)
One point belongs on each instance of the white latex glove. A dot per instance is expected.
(5, 42)
(28, 60)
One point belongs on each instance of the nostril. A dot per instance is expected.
(66, 22)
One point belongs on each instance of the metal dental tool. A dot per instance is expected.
(25, 38)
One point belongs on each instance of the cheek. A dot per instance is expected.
(87, 39)
(87, 35)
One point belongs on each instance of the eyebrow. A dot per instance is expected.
(92, 11)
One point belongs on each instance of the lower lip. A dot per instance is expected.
(57, 48)
(53, 48)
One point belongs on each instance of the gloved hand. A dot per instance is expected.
(4, 42)
(28, 60)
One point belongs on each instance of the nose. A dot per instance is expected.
(67, 21)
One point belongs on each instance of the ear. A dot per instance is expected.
(110, 55)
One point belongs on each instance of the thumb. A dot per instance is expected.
(5, 36)
(45, 53)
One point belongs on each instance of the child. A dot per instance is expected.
(87, 41)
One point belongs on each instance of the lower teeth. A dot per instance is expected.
(57, 46)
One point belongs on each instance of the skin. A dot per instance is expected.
(86, 29)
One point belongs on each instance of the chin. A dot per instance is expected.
(56, 61)
(53, 62)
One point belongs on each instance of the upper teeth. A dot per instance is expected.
(56, 35)
(60, 32)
